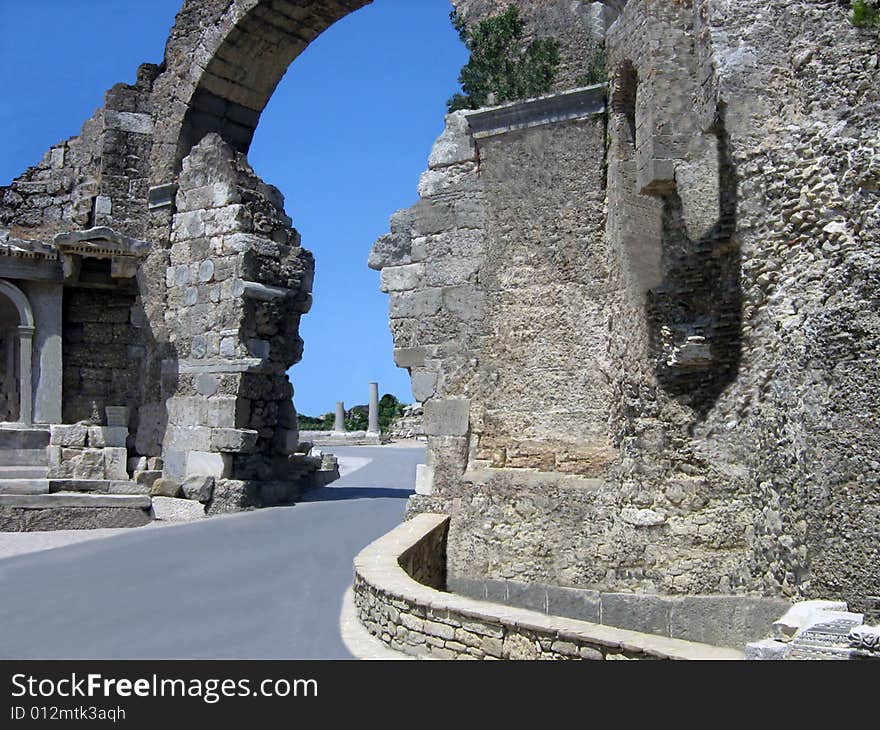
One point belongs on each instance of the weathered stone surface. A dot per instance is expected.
(448, 417)
(165, 488)
(168, 509)
(74, 435)
(200, 489)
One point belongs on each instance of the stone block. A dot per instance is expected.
(577, 603)
(169, 509)
(766, 650)
(424, 385)
(146, 478)
(801, 615)
(532, 596)
(409, 357)
(234, 440)
(646, 613)
(286, 441)
(115, 463)
(88, 464)
(401, 278)
(165, 487)
(449, 417)
(199, 488)
(74, 435)
(103, 436)
(424, 479)
(417, 304)
(723, 620)
(137, 463)
(455, 145)
(206, 463)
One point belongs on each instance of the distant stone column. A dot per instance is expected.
(25, 340)
(339, 424)
(373, 420)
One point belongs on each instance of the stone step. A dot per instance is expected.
(23, 457)
(23, 472)
(24, 486)
(97, 486)
(13, 439)
(74, 499)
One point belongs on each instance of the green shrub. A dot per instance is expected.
(500, 64)
(596, 73)
(865, 14)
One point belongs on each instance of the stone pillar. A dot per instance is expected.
(25, 355)
(339, 424)
(373, 420)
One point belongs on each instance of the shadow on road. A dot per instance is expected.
(335, 494)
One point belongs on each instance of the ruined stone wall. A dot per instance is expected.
(103, 354)
(237, 286)
(741, 363)
(739, 340)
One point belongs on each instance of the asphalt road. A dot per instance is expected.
(260, 585)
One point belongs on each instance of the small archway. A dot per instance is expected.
(16, 354)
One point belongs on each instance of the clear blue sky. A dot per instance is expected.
(345, 138)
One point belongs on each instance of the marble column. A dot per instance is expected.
(25, 355)
(373, 420)
(339, 424)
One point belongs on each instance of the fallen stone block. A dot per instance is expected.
(169, 509)
(199, 488)
(165, 488)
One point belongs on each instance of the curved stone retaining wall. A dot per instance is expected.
(420, 619)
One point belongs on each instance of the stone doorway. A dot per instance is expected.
(16, 335)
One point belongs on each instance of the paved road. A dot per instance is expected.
(260, 585)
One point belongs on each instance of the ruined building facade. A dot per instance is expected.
(642, 317)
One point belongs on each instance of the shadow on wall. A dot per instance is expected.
(695, 316)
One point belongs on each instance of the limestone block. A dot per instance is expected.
(234, 440)
(207, 384)
(642, 517)
(199, 488)
(206, 463)
(422, 303)
(801, 615)
(455, 144)
(765, 650)
(74, 435)
(409, 357)
(401, 278)
(165, 487)
(447, 417)
(424, 479)
(115, 463)
(102, 436)
(147, 477)
(137, 463)
(155, 462)
(424, 385)
(466, 302)
(259, 348)
(89, 464)
(169, 509)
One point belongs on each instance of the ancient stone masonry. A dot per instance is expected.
(642, 319)
(720, 399)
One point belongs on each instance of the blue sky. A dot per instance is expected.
(345, 138)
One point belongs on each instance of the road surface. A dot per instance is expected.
(266, 584)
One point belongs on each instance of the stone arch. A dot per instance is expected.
(222, 64)
(24, 344)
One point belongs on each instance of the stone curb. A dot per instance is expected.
(418, 619)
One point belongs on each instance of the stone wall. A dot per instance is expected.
(752, 163)
(420, 619)
(734, 434)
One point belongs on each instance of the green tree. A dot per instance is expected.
(500, 63)
(390, 409)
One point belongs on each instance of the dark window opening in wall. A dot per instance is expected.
(625, 88)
